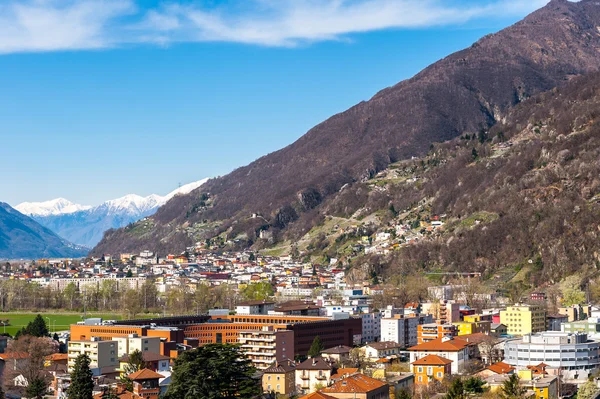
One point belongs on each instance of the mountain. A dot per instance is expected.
(22, 237)
(85, 225)
(57, 206)
(468, 91)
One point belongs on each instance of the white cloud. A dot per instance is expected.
(51, 25)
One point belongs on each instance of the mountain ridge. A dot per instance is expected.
(467, 91)
(23, 237)
(86, 225)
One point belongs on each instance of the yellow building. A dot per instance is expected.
(544, 387)
(523, 319)
(474, 327)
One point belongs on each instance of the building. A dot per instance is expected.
(432, 331)
(101, 353)
(537, 296)
(498, 329)
(371, 326)
(473, 327)
(280, 378)
(523, 319)
(383, 349)
(358, 386)
(313, 374)
(265, 346)
(554, 321)
(431, 368)
(153, 361)
(573, 353)
(451, 348)
(338, 354)
(443, 311)
(403, 329)
(146, 383)
(591, 327)
(254, 307)
(576, 312)
(134, 342)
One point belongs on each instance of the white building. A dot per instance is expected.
(573, 353)
(402, 329)
(371, 326)
(133, 342)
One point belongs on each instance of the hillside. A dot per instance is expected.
(22, 237)
(463, 93)
(524, 195)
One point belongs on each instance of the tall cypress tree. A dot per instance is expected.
(82, 384)
(316, 348)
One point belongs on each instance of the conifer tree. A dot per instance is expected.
(82, 384)
(316, 348)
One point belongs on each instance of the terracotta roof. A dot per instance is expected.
(444, 344)
(317, 395)
(316, 363)
(120, 392)
(475, 338)
(14, 355)
(431, 360)
(358, 383)
(501, 368)
(57, 356)
(342, 372)
(144, 374)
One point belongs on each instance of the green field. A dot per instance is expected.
(55, 321)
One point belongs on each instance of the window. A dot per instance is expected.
(439, 374)
(420, 369)
(420, 378)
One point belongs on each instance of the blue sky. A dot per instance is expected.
(105, 98)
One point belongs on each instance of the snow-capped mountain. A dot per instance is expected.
(53, 207)
(85, 225)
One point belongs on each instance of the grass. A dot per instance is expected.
(58, 321)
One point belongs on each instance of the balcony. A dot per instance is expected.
(322, 377)
(305, 377)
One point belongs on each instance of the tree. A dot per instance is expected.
(135, 363)
(456, 390)
(38, 327)
(316, 348)
(257, 291)
(474, 153)
(129, 274)
(572, 293)
(403, 394)
(473, 385)
(82, 383)
(512, 388)
(213, 371)
(36, 388)
(587, 390)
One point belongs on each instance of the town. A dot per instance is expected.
(306, 331)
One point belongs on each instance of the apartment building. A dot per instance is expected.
(403, 329)
(266, 346)
(431, 368)
(432, 331)
(133, 342)
(371, 326)
(523, 319)
(101, 353)
(473, 327)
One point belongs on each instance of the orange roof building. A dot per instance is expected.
(361, 386)
(317, 395)
(501, 368)
(451, 348)
(431, 368)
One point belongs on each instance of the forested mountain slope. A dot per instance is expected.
(463, 93)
